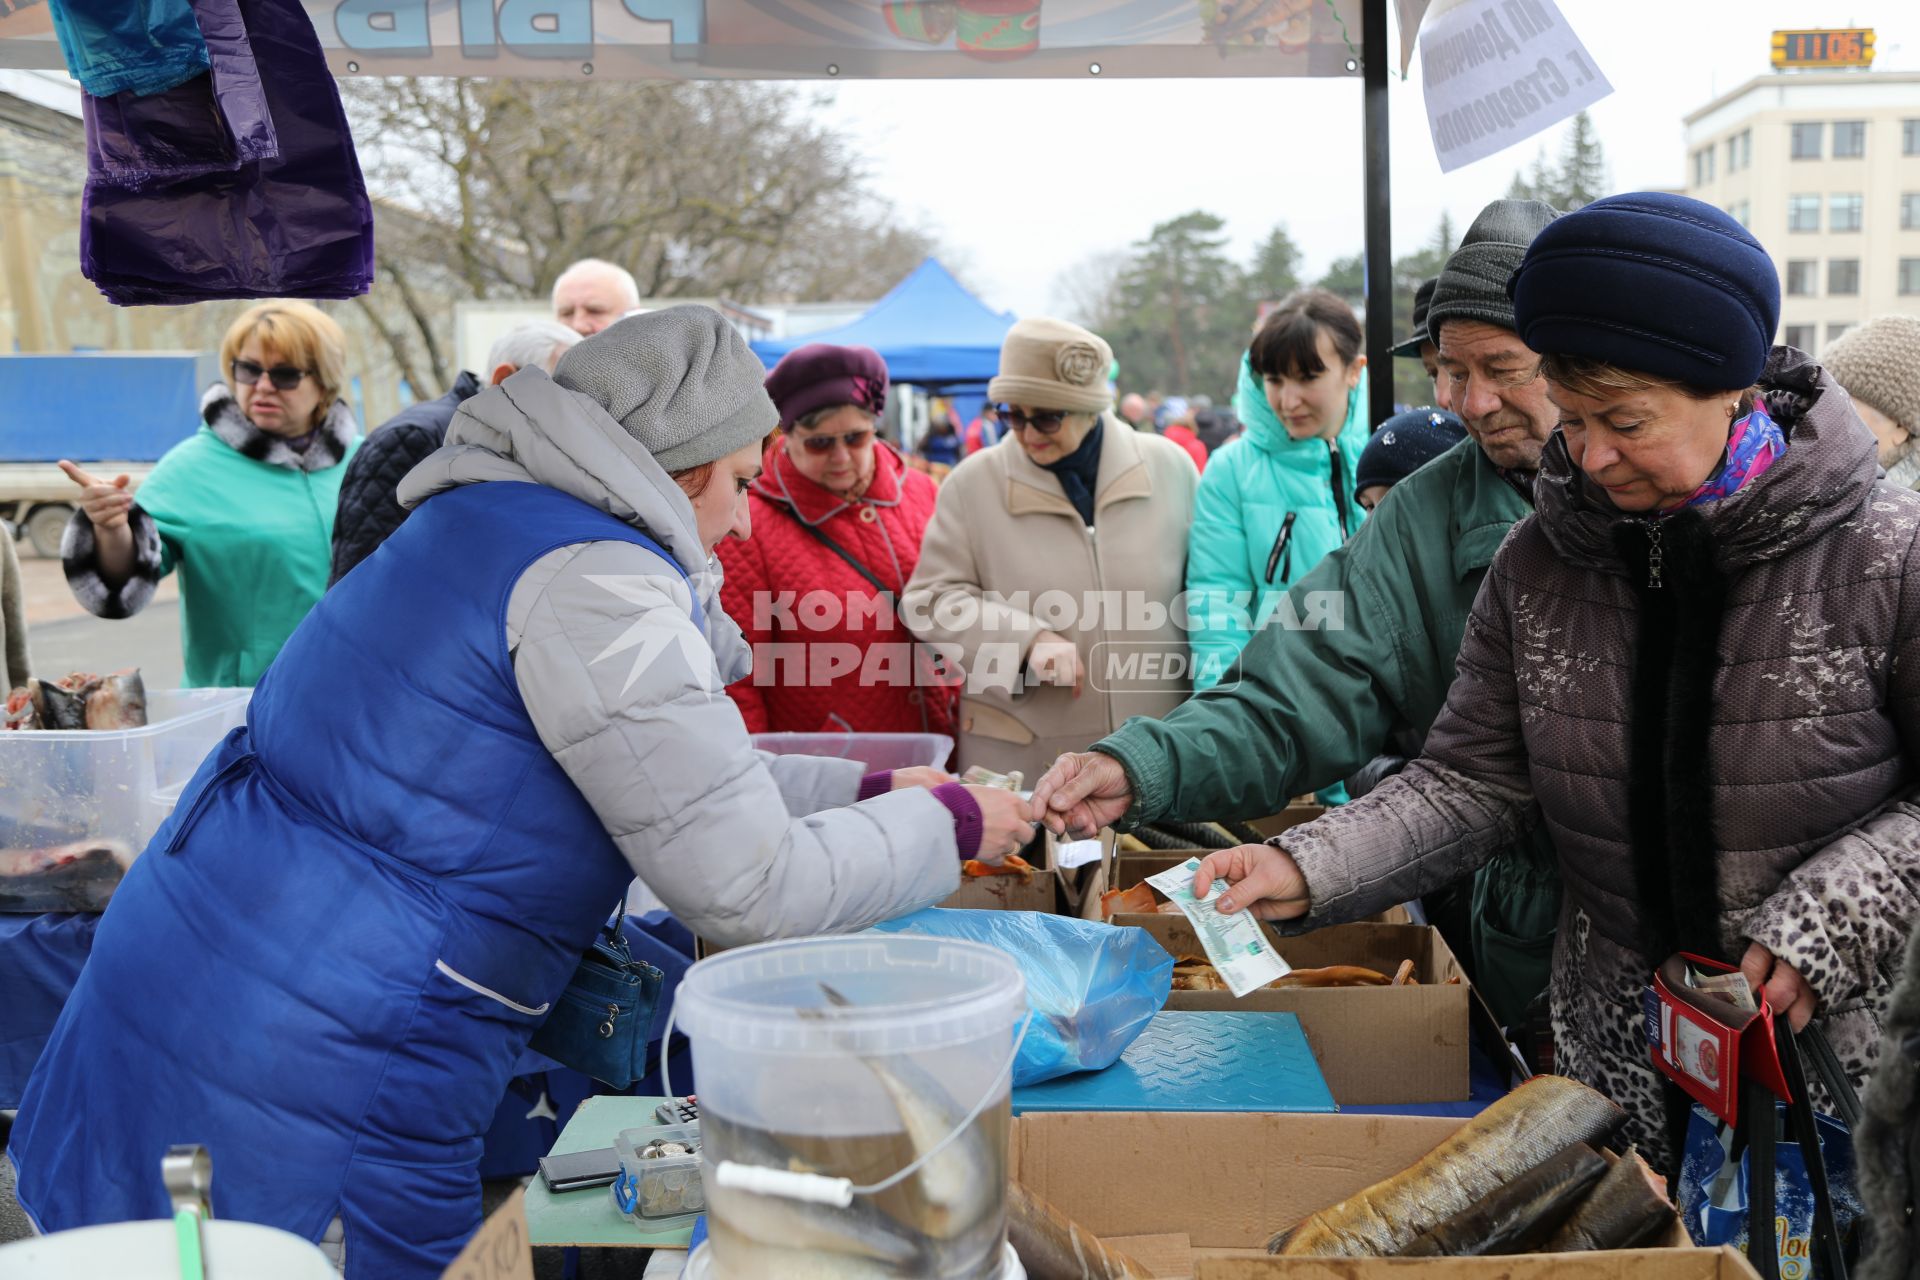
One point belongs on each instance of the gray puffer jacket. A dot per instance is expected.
(1716, 713)
(631, 699)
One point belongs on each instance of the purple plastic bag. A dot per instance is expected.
(214, 123)
(297, 226)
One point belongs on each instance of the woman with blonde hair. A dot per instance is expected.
(242, 509)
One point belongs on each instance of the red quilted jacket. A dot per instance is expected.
(859, 669)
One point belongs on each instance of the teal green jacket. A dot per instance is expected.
(1270, 508)
(1307, 707)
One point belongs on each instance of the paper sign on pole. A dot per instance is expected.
(1412, 12)
(500, 1249)
(1498, 71)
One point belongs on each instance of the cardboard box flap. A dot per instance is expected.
(1236, 1178)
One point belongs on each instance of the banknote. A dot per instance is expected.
(1236, 945)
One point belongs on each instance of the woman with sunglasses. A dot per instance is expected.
(243, 508)
(837, 517)
(1052, 569)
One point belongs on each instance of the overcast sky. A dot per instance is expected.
(1024, 177)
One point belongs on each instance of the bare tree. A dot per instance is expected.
(490, 188)
(1087, 291)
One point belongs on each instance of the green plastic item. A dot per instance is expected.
(186, 1233)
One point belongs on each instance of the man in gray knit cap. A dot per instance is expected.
(1314, 706)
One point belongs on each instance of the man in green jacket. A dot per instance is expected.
(1305, 708)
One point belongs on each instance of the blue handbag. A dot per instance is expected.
(601, 1023)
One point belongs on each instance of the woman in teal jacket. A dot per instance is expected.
(242, 509)
(1275, 501)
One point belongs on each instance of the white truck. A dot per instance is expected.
(112, 413)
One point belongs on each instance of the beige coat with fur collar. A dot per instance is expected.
(1007, 557)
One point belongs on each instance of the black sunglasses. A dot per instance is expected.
(824, 444)
(1046, 422)
(284, 377)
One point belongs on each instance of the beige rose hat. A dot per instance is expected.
(1050, 364)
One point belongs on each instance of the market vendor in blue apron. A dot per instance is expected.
(370, 896)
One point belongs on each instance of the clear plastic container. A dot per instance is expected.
(849, 1058)
(90, 800)
(875, 750)
(659, 1185)
(700, 1265)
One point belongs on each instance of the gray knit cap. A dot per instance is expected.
(1473, 284)
(1880, 363)
(681, 381)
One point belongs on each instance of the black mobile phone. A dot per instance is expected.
(580, 1170)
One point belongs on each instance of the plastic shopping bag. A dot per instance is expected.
(1092, 987)
(1716, 1184)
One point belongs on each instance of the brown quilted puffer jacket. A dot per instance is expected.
(1723, 750)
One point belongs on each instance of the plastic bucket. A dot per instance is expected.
(700, 1265)
(851, 1058)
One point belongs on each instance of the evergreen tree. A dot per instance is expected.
(1177, 323)
(1276, 269)
(1583, 166)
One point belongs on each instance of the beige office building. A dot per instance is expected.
(1824, 168)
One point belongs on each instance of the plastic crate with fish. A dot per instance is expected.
(78, 805)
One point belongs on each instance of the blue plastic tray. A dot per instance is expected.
(1197, 1061)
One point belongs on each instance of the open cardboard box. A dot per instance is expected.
(1042, 891)
(1374, 1044)
(1195, 1196)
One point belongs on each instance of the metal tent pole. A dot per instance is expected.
(1379, 251)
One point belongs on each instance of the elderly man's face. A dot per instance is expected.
(1493, 382)
(588, 302)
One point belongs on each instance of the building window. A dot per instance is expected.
(1909, 276)
(1742, 212)
(1837, 328)
(1910, 211)
(1703, 166)
(1803, 213)
(1849, 139)
(1910, 137)
(1806, 141)
(1802, 336)
(1740, 151)
(1844, 212)
(1803, 276)
(1843, 277)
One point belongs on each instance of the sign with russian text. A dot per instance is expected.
(804, 39)
(1499, 71)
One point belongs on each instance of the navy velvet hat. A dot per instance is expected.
(1656, 283)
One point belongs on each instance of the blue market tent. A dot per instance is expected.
(929, 329)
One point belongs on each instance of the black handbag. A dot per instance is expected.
(601, 1023)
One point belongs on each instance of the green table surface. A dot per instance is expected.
(589, 1217)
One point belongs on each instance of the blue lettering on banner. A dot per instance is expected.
(526, 28)
(384, 26)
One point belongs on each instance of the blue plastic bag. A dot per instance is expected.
(1092, 987)
(116, 46)
(1714, 1190)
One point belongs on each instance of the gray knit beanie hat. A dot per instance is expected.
(1473, 284)
(681, 381)
(1880, 363)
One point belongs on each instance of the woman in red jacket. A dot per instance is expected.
(837, 523)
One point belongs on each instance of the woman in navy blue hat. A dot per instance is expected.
(1698, 663)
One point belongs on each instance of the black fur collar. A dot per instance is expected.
(1669, 772)
(330, 442)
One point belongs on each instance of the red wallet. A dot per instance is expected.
(1704, 1042)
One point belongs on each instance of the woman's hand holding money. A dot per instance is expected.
(1265, 881)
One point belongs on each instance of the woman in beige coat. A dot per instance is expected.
(1053, 568)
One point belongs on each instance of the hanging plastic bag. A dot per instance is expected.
(213, 123)
(299, 226)
(1092, 987)
(112, 46)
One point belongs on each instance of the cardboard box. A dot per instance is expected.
(1227, 1182)
(1374, 1044)
(1052, 889)
(1129, 869)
